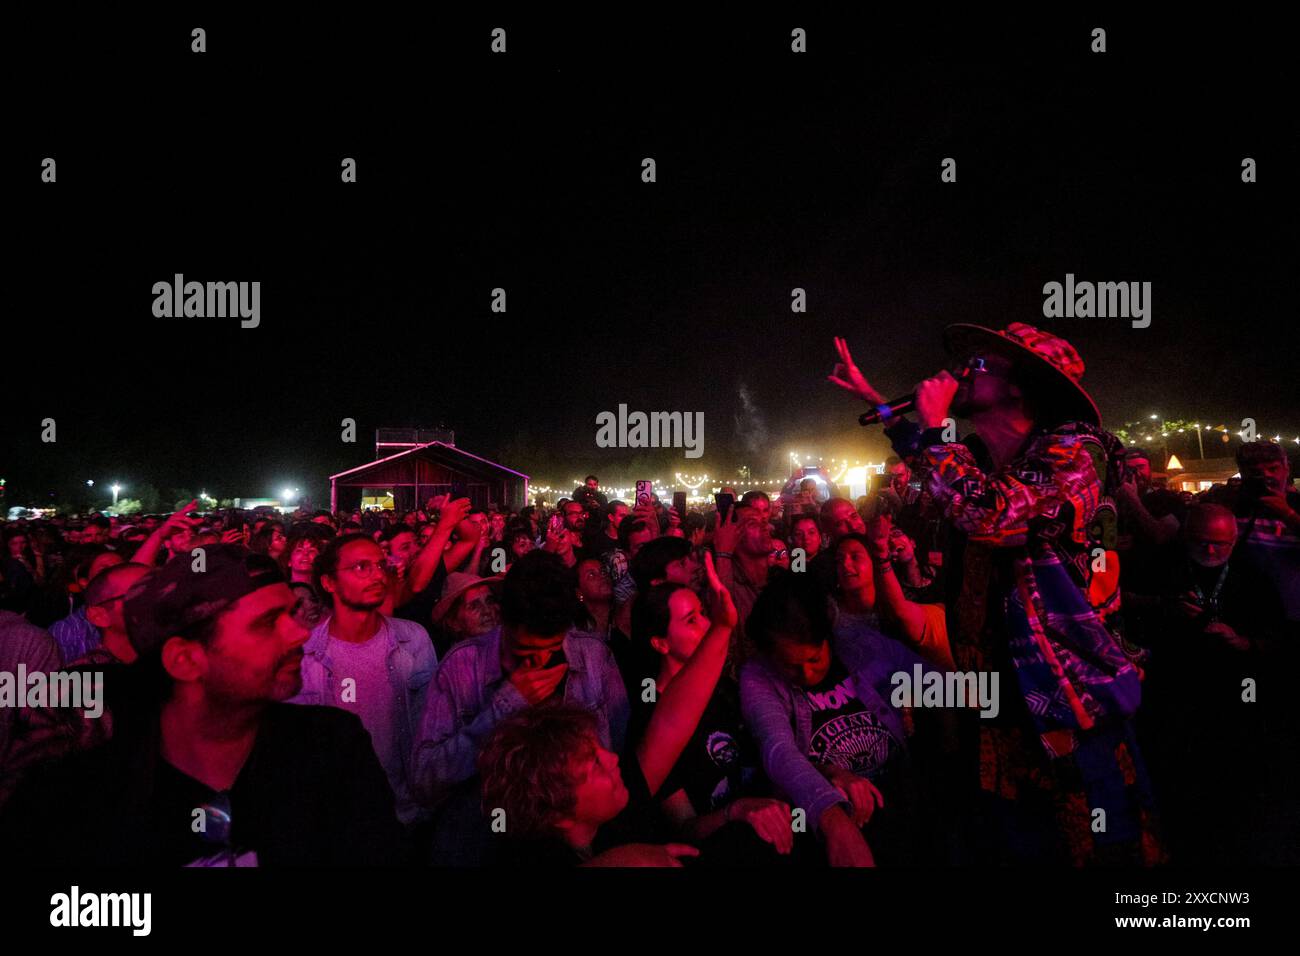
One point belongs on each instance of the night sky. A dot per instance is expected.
(523, 171)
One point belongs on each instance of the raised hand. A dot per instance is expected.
(933, 398)
(723, 608)
(179, 520)
(849, 377)
(726, 534)
(878, 531)
(649, 515)
(454, 512)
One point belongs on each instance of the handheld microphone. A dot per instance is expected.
(878, 413)
(901, 406)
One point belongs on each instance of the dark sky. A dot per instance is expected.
(523, 171)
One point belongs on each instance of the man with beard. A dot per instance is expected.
(1031, 594)
(225, 773)
(1214, 623)
(1268, 521)
(375, 666)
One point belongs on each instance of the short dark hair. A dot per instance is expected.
(102, 582)
(1260, 452)
(308, 530)
(260, 542)
(853, 536)
(590, 478)
(527, 766)
(792, 607)
(628, 528)
(539, 593)
(652, 561)
(514, 533)
(650, 613)
(749, 497)
(393, 530)
(81, 558)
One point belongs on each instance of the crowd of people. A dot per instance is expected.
(614, 683)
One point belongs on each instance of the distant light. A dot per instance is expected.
(1154, 417)
(90, 483)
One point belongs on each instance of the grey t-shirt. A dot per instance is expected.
(362, 686)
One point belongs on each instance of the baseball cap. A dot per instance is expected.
(176, 597)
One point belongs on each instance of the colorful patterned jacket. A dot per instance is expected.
(1051, 507)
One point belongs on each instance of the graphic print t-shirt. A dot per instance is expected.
(845, 733)
(721, 762)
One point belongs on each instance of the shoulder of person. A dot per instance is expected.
(468, 653)
(586, 642)
(324, 726)
(758, 672)
(84, 779)
(15, 628)
(407, 630)
(39, 650)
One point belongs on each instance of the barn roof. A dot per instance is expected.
(441, 453)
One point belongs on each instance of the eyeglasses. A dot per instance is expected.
(780, 553)
(974, 365)
(364, 568)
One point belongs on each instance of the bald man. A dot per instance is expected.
(104, 596)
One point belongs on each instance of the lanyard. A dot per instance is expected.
(1213, 603)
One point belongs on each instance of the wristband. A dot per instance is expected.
(722, 554)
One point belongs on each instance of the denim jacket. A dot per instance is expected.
(471, 694)
(780, 714)
(412, 662)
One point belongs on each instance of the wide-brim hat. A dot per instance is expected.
(1050, 365)
(457, 584)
